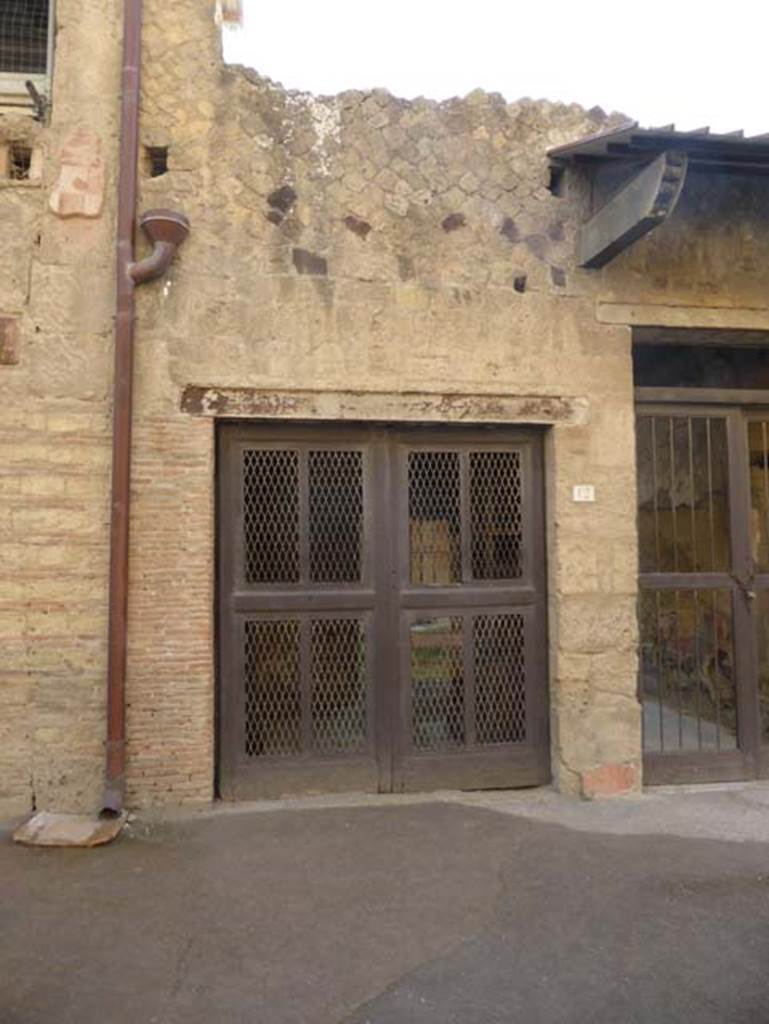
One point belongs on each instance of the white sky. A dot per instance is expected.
(695, 62)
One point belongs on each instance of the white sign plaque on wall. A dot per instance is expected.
(583, 492)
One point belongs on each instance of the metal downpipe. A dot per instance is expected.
(167, 230)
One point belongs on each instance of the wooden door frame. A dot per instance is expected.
(383, 595)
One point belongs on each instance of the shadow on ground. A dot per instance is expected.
(424, 914)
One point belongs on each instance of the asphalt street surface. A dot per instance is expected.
(427, 913)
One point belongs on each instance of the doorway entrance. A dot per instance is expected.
(703, 520)
(381, 610)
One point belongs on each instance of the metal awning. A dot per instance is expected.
(706, 150)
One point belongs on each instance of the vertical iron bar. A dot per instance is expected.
(711, 512)
(743, 622)
(698, 680)
(674, 524)
(716, 667)
(658, 565)
(677, 601)
(661, 668)
(695, 559)
(765, 475)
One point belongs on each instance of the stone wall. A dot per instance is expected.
(56, 271)
(357, 256)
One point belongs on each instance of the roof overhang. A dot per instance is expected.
(731, 152)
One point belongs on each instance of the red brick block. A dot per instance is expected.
(610, 780)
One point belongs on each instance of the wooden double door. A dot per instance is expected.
(381, 610)
(703, 520)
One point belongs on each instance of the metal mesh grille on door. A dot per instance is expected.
(339, 688)
(336, 515)
(271, 516)
(306, 687)
(500, 678)
(437, 684)
(496, 515)
(435, 517)
(461, 697)
(273, 689)
(303, 516)
(465, 516)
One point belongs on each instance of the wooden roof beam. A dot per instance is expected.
(646, 201)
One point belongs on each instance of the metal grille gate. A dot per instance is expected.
(703, 519)
(381, 610)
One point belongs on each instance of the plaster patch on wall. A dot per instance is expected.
(79, 188)
(326, 119)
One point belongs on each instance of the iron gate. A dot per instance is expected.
(703, 516)
(381, 610)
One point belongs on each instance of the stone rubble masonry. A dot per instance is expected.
(356, 253)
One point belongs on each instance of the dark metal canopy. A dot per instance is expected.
(705, 150)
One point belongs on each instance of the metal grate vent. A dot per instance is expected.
(500, 678)
(271, 515)
(339, 685)
(435, 517)
(336, 516)
(496, 515)
(272, 678)
(24, 36)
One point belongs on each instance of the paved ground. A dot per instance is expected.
(454, 910)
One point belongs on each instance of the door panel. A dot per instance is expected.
(473, 646)
(297, 613)
(381, 610)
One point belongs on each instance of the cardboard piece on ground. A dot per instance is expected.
(49, 829)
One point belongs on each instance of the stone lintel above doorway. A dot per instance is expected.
(649, 314)
(407, 406)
